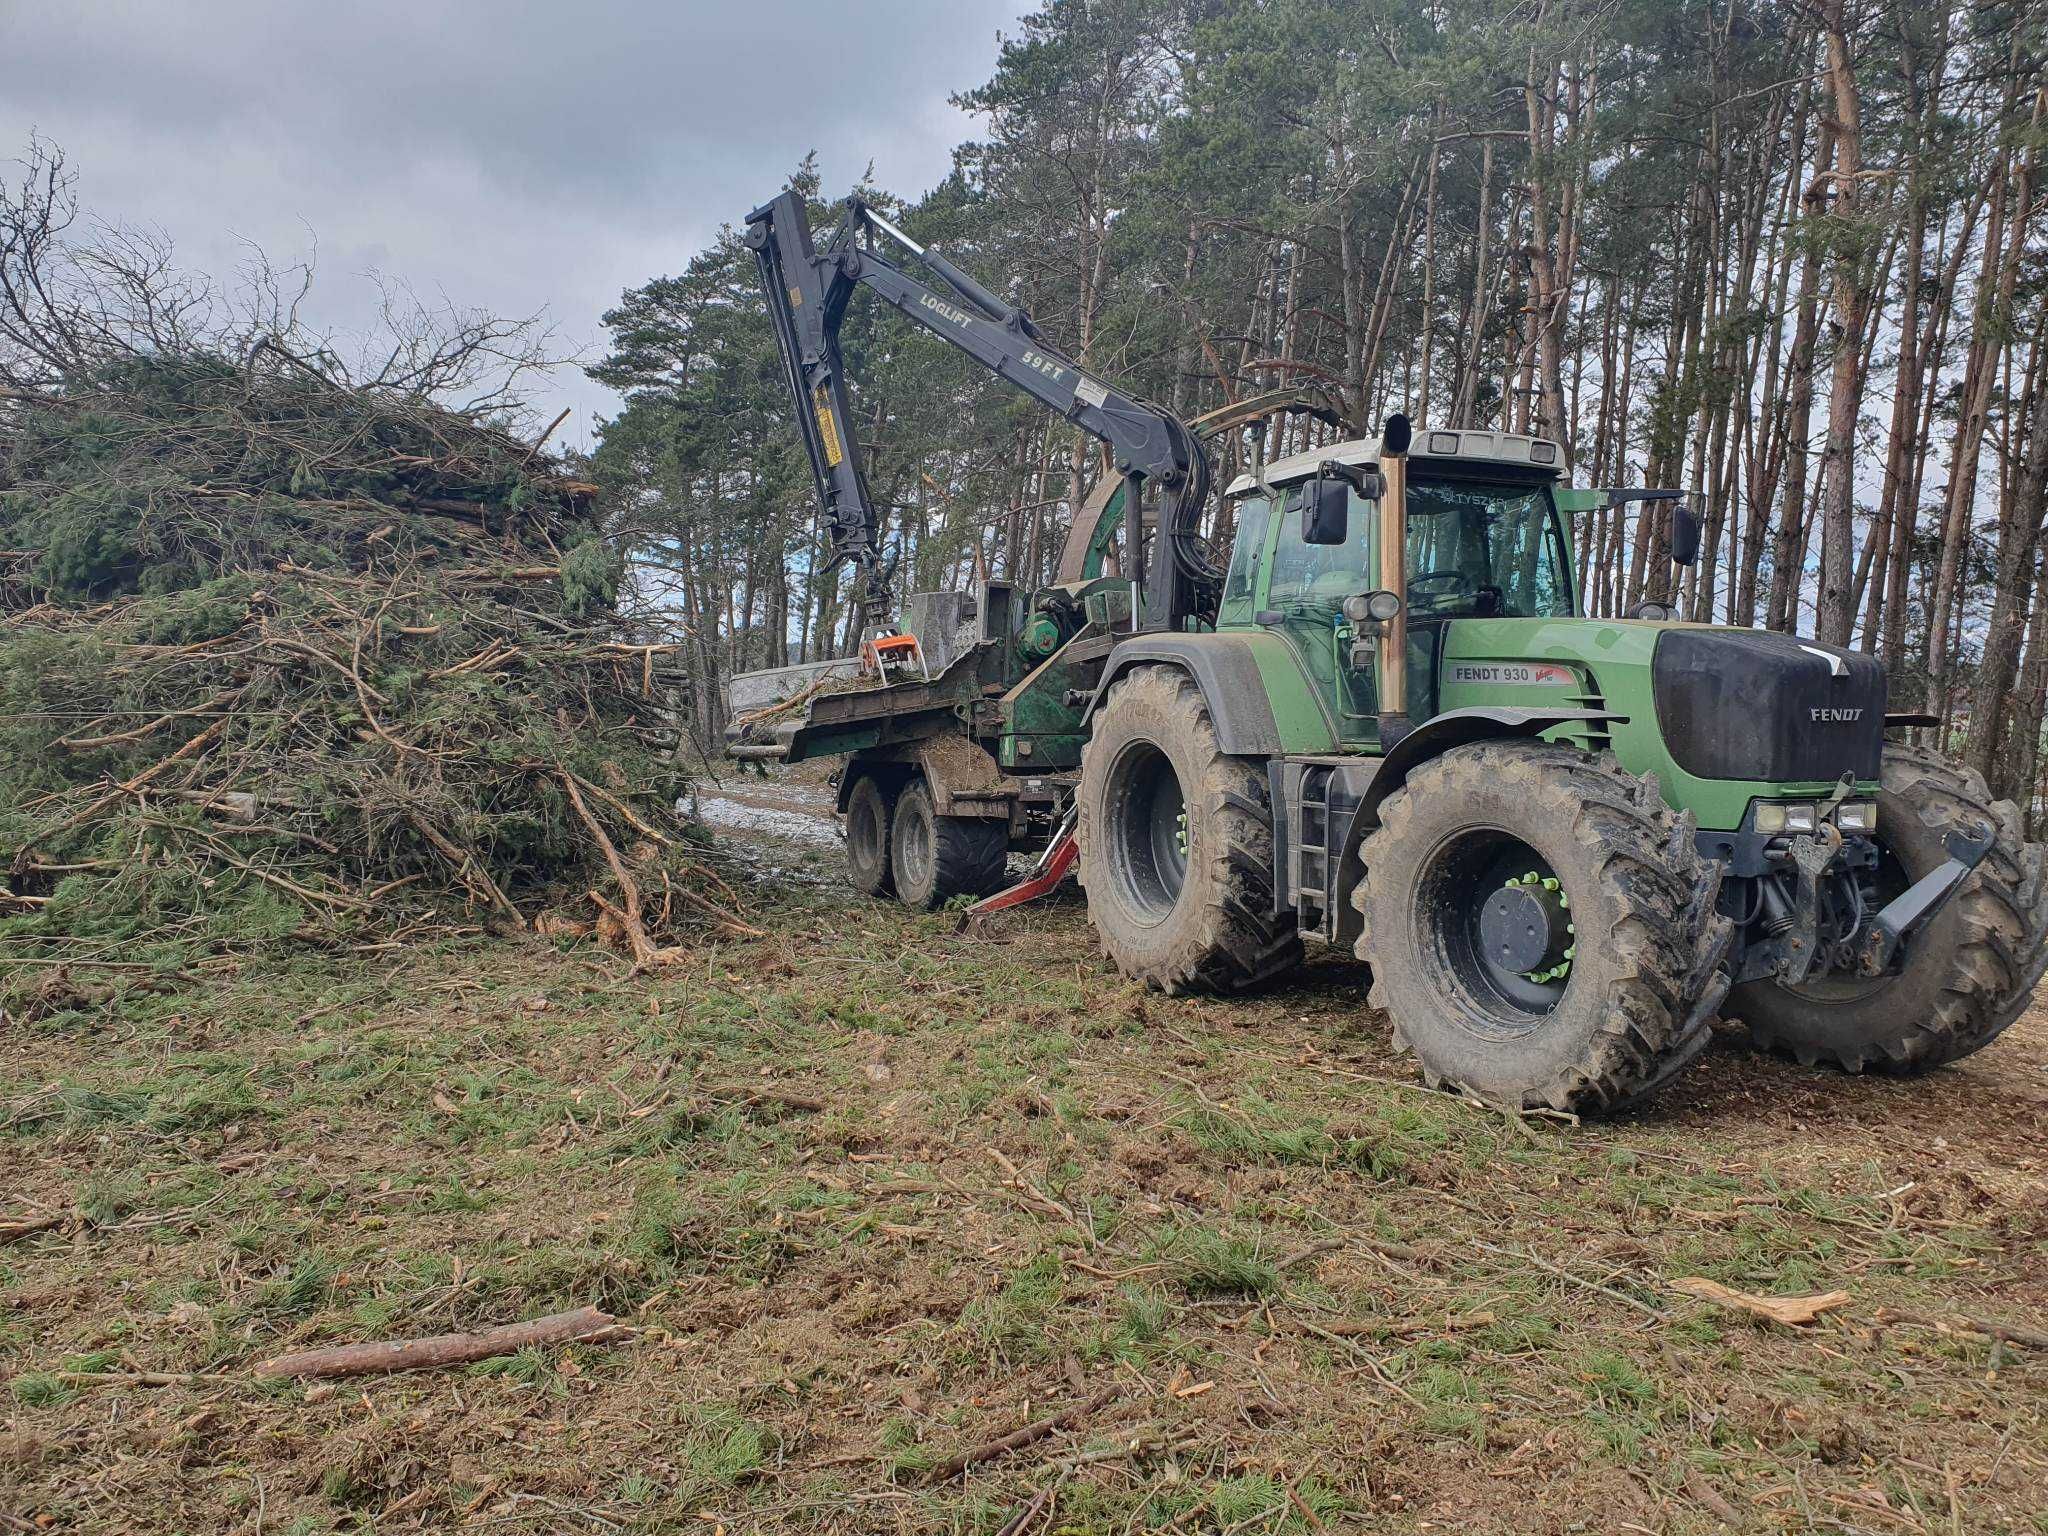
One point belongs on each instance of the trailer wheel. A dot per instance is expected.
(867, 837)
(934, 858)
(1964, 977)
(1177, 844)
(1540, 927)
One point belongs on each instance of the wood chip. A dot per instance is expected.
(1790, 1310)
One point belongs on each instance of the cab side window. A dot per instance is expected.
(1321, 573)
(1247, 556)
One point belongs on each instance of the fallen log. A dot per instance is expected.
(585, 1325)
(1794, 1311)
(15, 1228)
(2010, 1333)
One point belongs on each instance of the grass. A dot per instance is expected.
(1015, 1326)
(1208, 1263)
(1255, 1501)
(39, 1389)
(775, 1163)
(725, 1449)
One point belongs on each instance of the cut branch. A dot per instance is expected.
(1017, 1439)
(585, 1325)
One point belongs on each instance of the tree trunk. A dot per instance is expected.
(1836, 612)
(2019, 538)
(1994, 305)
(1787, 550)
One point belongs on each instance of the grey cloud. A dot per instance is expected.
(511, 156)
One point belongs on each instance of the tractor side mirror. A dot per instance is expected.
(1685, 534)
(1325, 511)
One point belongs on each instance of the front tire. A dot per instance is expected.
(1964, 977)
(1177, 844)
(1610, 983)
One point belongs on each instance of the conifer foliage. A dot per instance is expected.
(287, 652)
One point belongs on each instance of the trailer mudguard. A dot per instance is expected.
(1261, 702)
(964, 780)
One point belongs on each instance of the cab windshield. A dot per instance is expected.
(1474, 550)
(1485, 550)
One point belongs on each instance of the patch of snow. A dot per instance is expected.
(764, 821)
(816, 798)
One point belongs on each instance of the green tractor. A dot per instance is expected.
(1563, 845)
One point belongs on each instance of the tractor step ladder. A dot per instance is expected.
(1311, 853)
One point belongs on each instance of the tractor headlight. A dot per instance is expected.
(1772, 818)
(1382, 607)
(1857, 816)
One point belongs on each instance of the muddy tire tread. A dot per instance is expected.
(883, 882)
(2003, 948)
(1659, 1012)
(973, 854)
(970, 854)
(1235, 943)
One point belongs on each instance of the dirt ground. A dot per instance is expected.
(871, 1195)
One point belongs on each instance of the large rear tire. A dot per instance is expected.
(1177, 844)
(867, 837)
(934, 858)
(1964, 977)
(1541, 927)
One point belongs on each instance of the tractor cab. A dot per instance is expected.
(1484, 541)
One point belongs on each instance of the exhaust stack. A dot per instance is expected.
(1394, 442)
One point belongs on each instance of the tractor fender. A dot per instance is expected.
(1457, 728)
(1243, 676)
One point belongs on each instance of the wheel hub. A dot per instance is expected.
(916, 852)
(1148, 832)
(1525, 928)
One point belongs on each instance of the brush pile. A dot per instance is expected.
(285, 658)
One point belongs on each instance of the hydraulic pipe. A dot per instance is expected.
(964, 285)
(1394, 578)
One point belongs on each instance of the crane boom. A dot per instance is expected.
(807, 290)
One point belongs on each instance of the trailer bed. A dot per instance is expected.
(827, 708)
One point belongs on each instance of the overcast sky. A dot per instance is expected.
(513, 155)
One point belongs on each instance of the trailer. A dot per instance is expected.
(971, 758)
